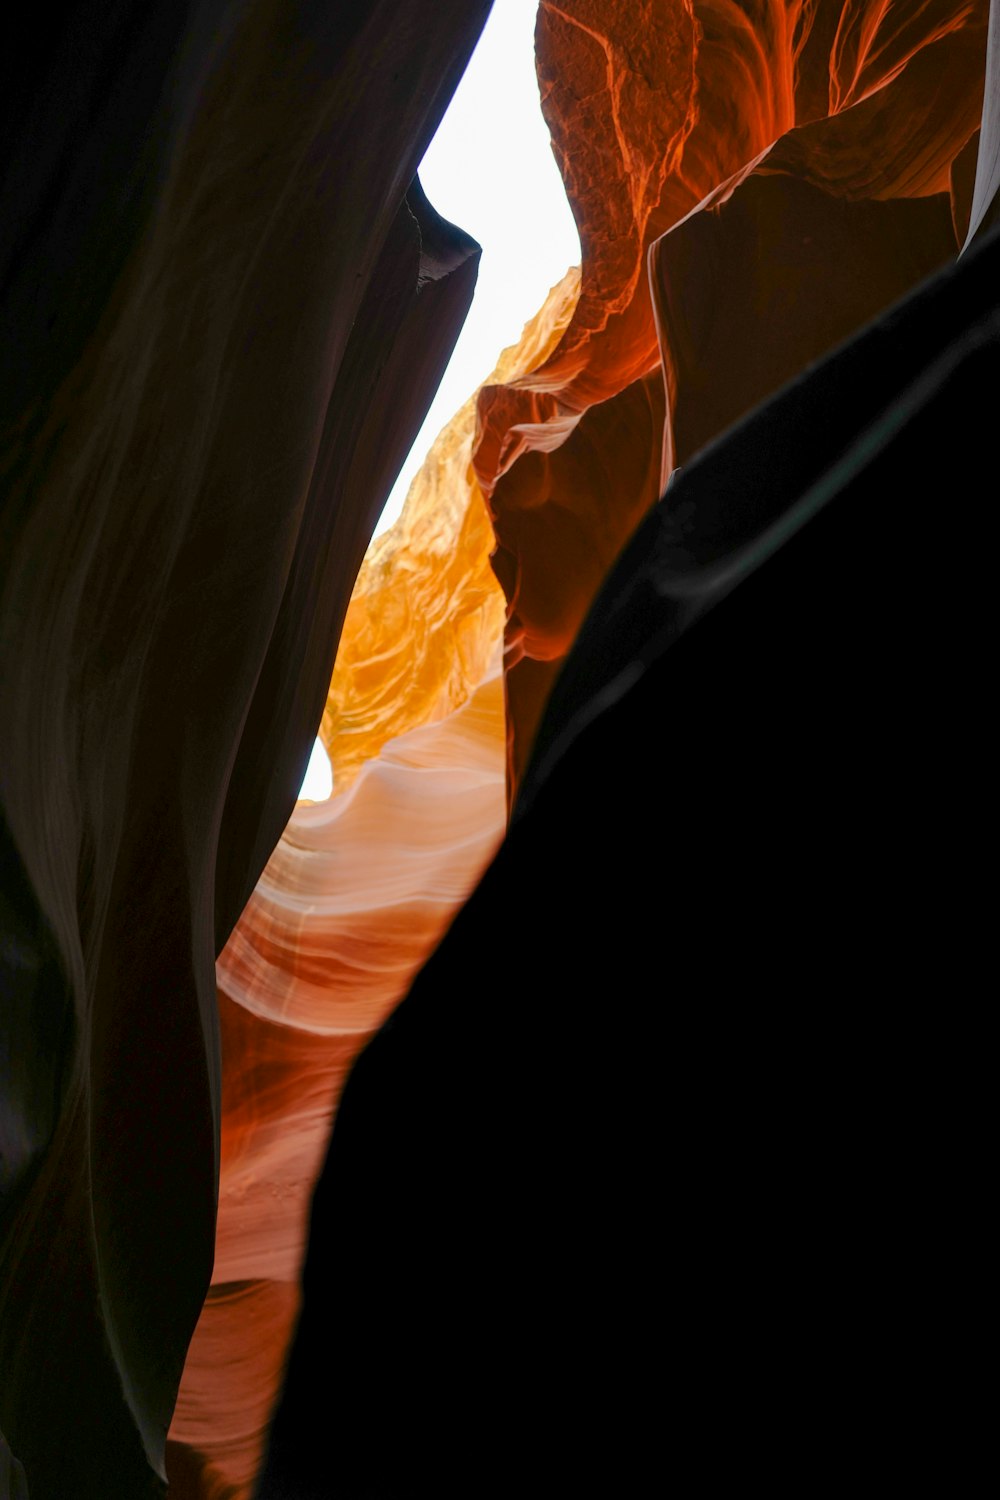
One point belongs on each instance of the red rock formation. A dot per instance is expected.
(653, 109)
(229, 301)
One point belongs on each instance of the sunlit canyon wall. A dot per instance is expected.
(752, 182)
(225, 304)
(219, 371)
(352, 901)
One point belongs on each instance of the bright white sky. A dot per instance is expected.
(490, 170)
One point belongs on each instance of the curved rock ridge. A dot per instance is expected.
(387, 858)
(427, 612)
(354, 898)
(226, 304)
(658, 113)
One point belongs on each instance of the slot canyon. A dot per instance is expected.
(551, 1109)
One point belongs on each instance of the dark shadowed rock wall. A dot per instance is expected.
(226, 305)
(784, 170)
(656, 1176)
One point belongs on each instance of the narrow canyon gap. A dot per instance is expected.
(635, 1179)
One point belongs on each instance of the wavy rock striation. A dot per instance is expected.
(410, 652)
(788, 170)
(355, 897)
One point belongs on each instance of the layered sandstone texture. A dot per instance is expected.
(353, 900)
(775, 173)
(227, 304)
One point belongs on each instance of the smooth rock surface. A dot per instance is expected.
(228, 306)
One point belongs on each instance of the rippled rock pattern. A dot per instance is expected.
(786, 169)
(426, 613)
(352, 902)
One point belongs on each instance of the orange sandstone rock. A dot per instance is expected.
(426, 612)
(654, 108)
(226, 303)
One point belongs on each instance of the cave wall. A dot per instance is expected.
(229, 305)
(229, 299)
